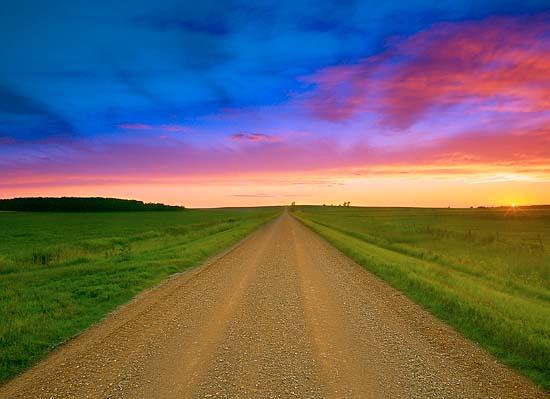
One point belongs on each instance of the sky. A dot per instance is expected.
(233, 103)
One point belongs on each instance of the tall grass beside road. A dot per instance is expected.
(486, 272)
(61, 272)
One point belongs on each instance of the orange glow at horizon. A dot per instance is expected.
(423, 191)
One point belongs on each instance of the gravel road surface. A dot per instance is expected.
(282, 315)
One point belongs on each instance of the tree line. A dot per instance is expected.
(78, 204)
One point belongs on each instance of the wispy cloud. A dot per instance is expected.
(135, 126)
(254, 137)
(163, 128)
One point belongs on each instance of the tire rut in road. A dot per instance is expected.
(267, 352)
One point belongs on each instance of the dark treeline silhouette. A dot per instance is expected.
(76, 204)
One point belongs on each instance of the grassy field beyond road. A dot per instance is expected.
(61, 272)
(484, 271)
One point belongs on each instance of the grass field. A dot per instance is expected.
(484, 271)
(61, 272)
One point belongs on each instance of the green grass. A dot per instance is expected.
(484, 271)
(61, 272)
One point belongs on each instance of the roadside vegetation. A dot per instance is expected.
(61, 272)
(484, 271)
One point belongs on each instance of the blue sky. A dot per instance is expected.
(73, 68)
(77, 74)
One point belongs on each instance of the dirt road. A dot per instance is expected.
(283, 315)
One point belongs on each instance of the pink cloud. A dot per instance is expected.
(145, 126)
(518, 151)
(175, 128)
(513, 148)
(498, 62)
(254, 137)
(135, 126)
